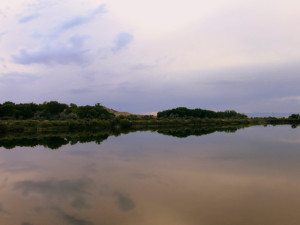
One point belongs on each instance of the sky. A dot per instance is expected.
(146, 56)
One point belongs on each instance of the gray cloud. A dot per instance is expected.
(50, 56)
(56, 54)
(76, 21)
(42, 4)
(2, 14)
(142, 67)
(78, 40)
(122, 40)
(260, 82)
(261, 87)
(124, 201)
(248, 89)
(80, 91)
(2, 34)
(67, 24)
(79, 20)
(99, 10)
(218, 39)
(18, 78)
(29, 18)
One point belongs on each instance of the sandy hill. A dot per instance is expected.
(117, 113)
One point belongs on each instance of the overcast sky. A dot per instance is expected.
(150, 55)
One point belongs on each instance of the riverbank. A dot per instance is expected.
(38, 126)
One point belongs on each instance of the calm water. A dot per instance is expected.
(143, 178)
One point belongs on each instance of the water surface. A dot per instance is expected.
(247, 177)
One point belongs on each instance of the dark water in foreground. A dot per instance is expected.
(143, 178)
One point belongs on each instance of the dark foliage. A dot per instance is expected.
(52, 110)
(183, 133)
(52, 142)
(182, 112)
(294, 116)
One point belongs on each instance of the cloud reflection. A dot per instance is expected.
(18, 167)
(59, 190)
(2, 210)
(72, 220)
(26, 223)
(124, 201)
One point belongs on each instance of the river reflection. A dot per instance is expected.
(56, 140)
(247, 177)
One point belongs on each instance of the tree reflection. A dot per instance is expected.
(57, 140)
(183, 133)
(50, 141)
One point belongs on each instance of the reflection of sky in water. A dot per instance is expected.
(247, 177)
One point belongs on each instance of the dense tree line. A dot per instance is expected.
(52, 110)
(294, 116)
(182, 112)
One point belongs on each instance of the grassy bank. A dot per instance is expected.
(38, 126)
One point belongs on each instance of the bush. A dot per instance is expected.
(125, 123)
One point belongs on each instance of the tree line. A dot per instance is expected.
(182, 112)
(294, 116)
(52, 110)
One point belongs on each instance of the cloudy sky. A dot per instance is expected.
(145, 56)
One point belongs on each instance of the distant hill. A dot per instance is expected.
(117, 113)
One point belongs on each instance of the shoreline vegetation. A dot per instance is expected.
(59, 117)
